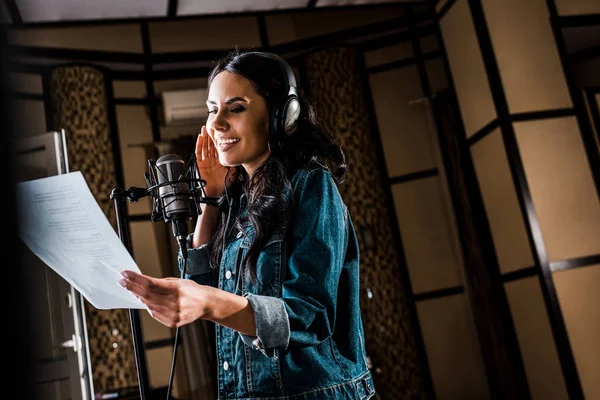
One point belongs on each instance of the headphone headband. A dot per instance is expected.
(285, 111)
(286, 70)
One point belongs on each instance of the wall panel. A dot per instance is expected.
(467, 68)
(135, 135)
(129, 89)
(535, 339)
(429, 43)
(597, 98)
(530, 83)
(432, 257)
(501, 203)
(578, 292)
(586, 74)
(180, 84)
(134, 125)
(313, 24)
(25, 83)
(126, 37)
(159, 369)
(280, 28)
(205, 34)
(562, 187)
(144, 248)
(573, 7)
(436, 75)
(400, 51)
(451, 345)
(29, 117)
(403, 128)
(152, 329)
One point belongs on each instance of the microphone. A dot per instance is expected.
(174, 192)
(175, 188)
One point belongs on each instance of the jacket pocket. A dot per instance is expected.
(269, 265)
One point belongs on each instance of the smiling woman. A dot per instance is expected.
(238, 125)
(276, 266)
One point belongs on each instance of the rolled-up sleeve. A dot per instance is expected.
(272, 324)
(197, 265)
(305, 314)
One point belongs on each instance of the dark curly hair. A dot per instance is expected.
(269, 193)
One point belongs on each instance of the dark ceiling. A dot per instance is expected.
(18, 12)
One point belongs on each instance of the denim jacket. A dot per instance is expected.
(309, 341)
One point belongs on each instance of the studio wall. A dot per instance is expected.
(524, 132)
(535, 168)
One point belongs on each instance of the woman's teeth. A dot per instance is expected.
(228, 141)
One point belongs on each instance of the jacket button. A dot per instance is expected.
(228, 275)
(225, 365)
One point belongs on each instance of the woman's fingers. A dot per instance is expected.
(212, 150)
(209, 132)
(162, 296)
(211, 138)
(145, 287)
(199, 147)
(205, 144)
(158, 313)
(198, 142)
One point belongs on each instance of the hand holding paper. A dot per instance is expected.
(61, 222)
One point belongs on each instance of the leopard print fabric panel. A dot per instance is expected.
(79, 106)
(333, 81)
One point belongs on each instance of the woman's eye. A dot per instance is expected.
(233, 110)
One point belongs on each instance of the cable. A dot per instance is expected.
(182, 246)
(229, 203)
(225, 185)
(176, 341)
(173, 364)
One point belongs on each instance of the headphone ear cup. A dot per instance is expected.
(283, 122)
(290, 116)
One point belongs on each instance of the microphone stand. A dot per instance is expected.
(119, 195)
(133, 194)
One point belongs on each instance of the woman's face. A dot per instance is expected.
(238, 122)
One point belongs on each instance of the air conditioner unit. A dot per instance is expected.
(185, 106)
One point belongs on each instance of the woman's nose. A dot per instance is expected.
(219, 123)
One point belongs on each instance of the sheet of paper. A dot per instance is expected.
(61, 222)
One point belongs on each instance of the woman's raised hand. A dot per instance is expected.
(209, 166)
(172, 301)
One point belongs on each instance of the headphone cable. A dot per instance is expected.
(176, 343)
(182, 277)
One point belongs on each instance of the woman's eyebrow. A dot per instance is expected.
(229, 101)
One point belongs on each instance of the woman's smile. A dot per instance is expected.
(226, 144)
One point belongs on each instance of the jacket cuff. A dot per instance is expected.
(272, 324)
(198, 261)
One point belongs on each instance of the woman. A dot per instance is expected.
(276, 267)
